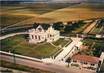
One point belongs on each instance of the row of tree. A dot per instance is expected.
(69, 27)
(61, 26)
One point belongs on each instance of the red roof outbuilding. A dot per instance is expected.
(85, 58)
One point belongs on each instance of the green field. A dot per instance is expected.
(62, 42)
(7, 19)
(95, 31)
(22, 47)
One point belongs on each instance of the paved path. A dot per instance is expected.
(13, 34)
(41, 65)
(67, 49)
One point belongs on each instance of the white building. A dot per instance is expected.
(102, 56)
(84, 61)
(41, 34)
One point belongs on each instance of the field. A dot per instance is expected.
(16, 13)
(50, 13)
(90, 27)
(37, 8)
(7, 19)
(76, 13)
(97, 30)
(21, 46)
(79, 12)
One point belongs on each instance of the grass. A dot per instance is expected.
(95, 31)
(95, 47)
(61, 42)
(22, 47)
(7, 19)
(6, 64)
(81, 27)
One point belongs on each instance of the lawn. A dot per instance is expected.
(63, 42)
(22, 47)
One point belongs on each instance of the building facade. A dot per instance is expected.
(40, 34)
(84, 61)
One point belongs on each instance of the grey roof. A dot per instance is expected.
(44, 26)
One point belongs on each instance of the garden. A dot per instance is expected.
(21, 46)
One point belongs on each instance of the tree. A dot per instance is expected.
(58, 26)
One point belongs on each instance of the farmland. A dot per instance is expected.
(18, 13)
(49, 13)
(98, 29)
(7, 19)
(78, 12)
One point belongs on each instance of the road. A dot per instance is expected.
(42, 66)
(67, 49)
(12, 34)
(15, 28)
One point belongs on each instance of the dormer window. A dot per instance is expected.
(40, 29)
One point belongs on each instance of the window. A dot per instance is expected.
(85, 62)
(32, 36)
(50, 35)
(81, 62)
(40, 29)
(92, 64)
(39, 37)
(35, 37)
(74, 61)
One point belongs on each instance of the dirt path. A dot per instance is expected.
(89, 28)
